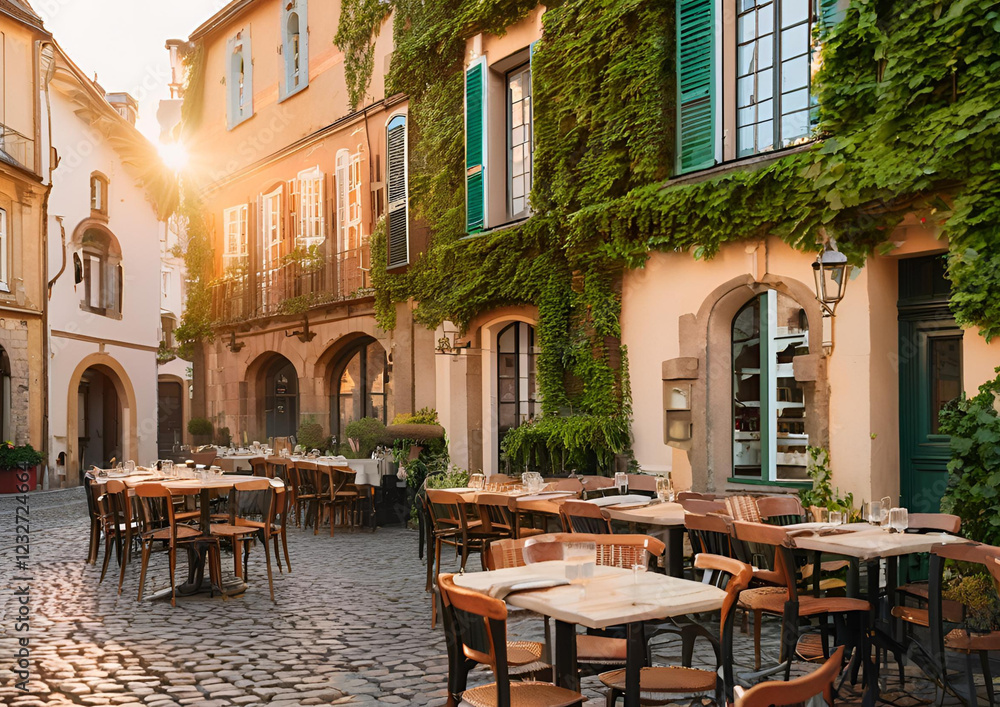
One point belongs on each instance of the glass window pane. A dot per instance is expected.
(516, 114)
(745, 59)
(515, 89)
(746, 116)
(946, 374)
(765, 51)
(765, 84)
(765, 19)
(517, 186)
(744, 91)
(517, 205)
(795, 41)
(765, 135)
(746, 5)
(745, 141)
(794, 126)
(794, 74)
(747, 26)
(765, 110)
(795, 101)
(793, 11)
(351, 375)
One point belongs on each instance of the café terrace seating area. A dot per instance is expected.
(769, 603)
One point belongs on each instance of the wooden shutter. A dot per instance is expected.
(397, 218)
(247, 76)
(829, 15)
(475, 147)
(232, 90)
(696, 84)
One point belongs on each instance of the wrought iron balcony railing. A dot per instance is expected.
(293, 287)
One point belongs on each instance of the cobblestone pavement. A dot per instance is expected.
(351, 626)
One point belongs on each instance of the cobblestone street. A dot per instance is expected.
(351, 626)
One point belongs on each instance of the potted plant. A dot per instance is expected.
(16, 461)
(200, 430)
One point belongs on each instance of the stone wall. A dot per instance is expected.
(14, 339)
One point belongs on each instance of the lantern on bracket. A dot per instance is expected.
(831, 271)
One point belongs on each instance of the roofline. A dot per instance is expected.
(32, 21)
(226, 14)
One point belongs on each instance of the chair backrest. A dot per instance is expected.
(643, 483)
(780, 510)
(501, 479)
(776, 538)
(156, 508)
(685, 495)
(117, 505)
(572, 485)
(583, 517)
(259, 466)
(447, 509)
(798, 691)
(702, 507)
(944, 522)
(278, 466)
(254, 486)
(494, 510)
(612, 550)
(308, 476)
(596, 483)
(205, 458)
(742, 507)
(735, 576)
(710, 533)
(476, 627)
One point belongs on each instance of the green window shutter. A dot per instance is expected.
(829, 15)
(398, 218)
(475, 148)
(696, 85)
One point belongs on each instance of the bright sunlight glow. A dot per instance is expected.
(174, 155)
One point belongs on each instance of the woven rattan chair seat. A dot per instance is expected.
(673, 680)
(523, 694)
(183, 533)
(600, 650)
(524, 652)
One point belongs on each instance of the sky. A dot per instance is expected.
(123, 42)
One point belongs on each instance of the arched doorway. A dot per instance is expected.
(170, 416)
(515, 385)
(281, 398)
(6, 428)
(360, 386)
(99, 419)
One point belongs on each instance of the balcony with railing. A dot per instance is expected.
(17, 149)
(293, 287)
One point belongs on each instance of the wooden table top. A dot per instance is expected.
(661, 514)
(612, 597)
(869, 542)
(216, 482)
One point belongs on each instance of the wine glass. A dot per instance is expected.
(640, 563)
(899, 520)
(477, 481)
(621, 481)
(664, 489)
(873, 512)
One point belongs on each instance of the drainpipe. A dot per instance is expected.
(49, 72)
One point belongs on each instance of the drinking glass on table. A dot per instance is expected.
(640, 563)
(477, 482)
(873, 512)
(899, 520)
(836, 517)
(581, 559)
(664, 489)
(621, 481)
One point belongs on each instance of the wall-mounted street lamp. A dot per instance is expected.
(234, 345)
(449, 344)
(831, 271)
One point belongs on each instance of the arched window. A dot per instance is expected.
(100, 264)
(98, 195)
(239, 79)
(295, 46)
(361, 386)
(6, 428)
(516, 387)
(769, 405)
(281, 399)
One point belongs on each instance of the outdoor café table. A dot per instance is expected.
(665, 517)
(611, 598)
(871, 545)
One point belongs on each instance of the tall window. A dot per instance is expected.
(362, 386)
(99, 194)
(773, 72)
(519, 140)
(295, 46)
(312, 221)
(102, 279)
(516, 391)
(348, 178)
(239, 79)
(235, 224)
(271, 248)
(4, 244)
(769, 405)
(396, 190)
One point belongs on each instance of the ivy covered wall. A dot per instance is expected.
(909, 121)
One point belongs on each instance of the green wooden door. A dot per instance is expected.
(930, 375)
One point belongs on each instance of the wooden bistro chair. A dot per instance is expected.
(477, 632)
(117, 526)
(795, 692)
(949, 625)
(277, 467)
(305, 479)
(664, 685)
(710, 533)
(780, 510)
(925, 523)
(498, 518)
(642, 483)
(206, 458)
(158, 524)
(96, 512)
(241, 530)
(703, 506)
(258, 465)
(583, 517)
(788, 604)
(596, 484)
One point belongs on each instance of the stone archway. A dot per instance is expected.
(100, 375)
(273, 382)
